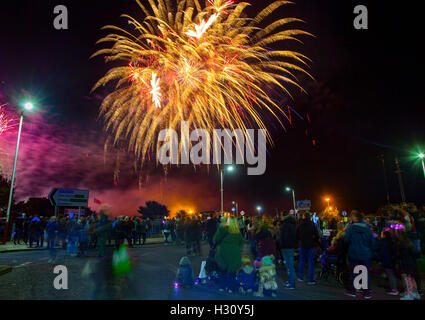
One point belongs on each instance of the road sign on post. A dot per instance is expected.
(69, 197)
(304, 205)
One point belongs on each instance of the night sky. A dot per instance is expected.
(367, 100)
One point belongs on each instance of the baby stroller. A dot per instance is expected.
(332, 267)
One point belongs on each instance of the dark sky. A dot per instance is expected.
(367, 99)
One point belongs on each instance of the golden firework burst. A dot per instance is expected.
(207, 64)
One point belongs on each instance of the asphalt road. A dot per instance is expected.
(154, 269)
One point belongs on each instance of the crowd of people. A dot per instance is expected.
(392, 242)
(288, 242)
(77, 235)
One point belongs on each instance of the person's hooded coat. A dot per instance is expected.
(288, 234)
(228, 255)
(307, 234)
(360, 240)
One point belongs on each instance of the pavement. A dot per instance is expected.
(5, 269)
(153, 273)
(11, 247)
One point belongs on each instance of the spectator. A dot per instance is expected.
(251, 227)
(228, 241)
(407, 255)
(180, 230)
(360, 245)
(42, 229)
(387, 255)
(307, 236)
(19, 227)
(144, 230)
(166, 231)
(189, 237)
(265, 242)
(211, 226)
(83, 237)
(103, 229)
(173, 230)
(288, 244)
(73, 236)
(26, 229)
(34, 230)
(51, 230)
(62, 232)
(242, 226)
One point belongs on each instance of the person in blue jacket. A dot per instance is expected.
(359, 239)
(83, 237)
(246, 277)
(51, 230)
(185, 277)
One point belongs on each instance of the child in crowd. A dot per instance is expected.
(185, 277)
(267, 278)
(407, 255)
(257, 263)
(246, 276)
(387, 253)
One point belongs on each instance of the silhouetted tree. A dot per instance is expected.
(181, 214)
(4, 194)
(37, 206)
(154, 210)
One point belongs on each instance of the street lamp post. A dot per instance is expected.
(236, 204)
(229, 169)
(293, 196)
(328, 199)
(28, 106)
(422, 157)
(259, 209)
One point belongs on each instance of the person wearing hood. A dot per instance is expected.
(211, 227)
(308, 237)
(228, 240)
(246, 276)
(359, 239)
(288, 244)
(185, 277)
(267, 278)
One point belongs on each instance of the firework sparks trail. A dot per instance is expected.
(210, 65)
(156, 94)
(202, 27)
(6, 123)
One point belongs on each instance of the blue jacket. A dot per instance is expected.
(83, 236)
(360, 240)
(246, 278)
(51, 228)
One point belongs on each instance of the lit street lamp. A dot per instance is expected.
(328, 199)
(289, 189)
(422, 157)
(259, 209)
(234, 203)
(228, 169)
(28, 106)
